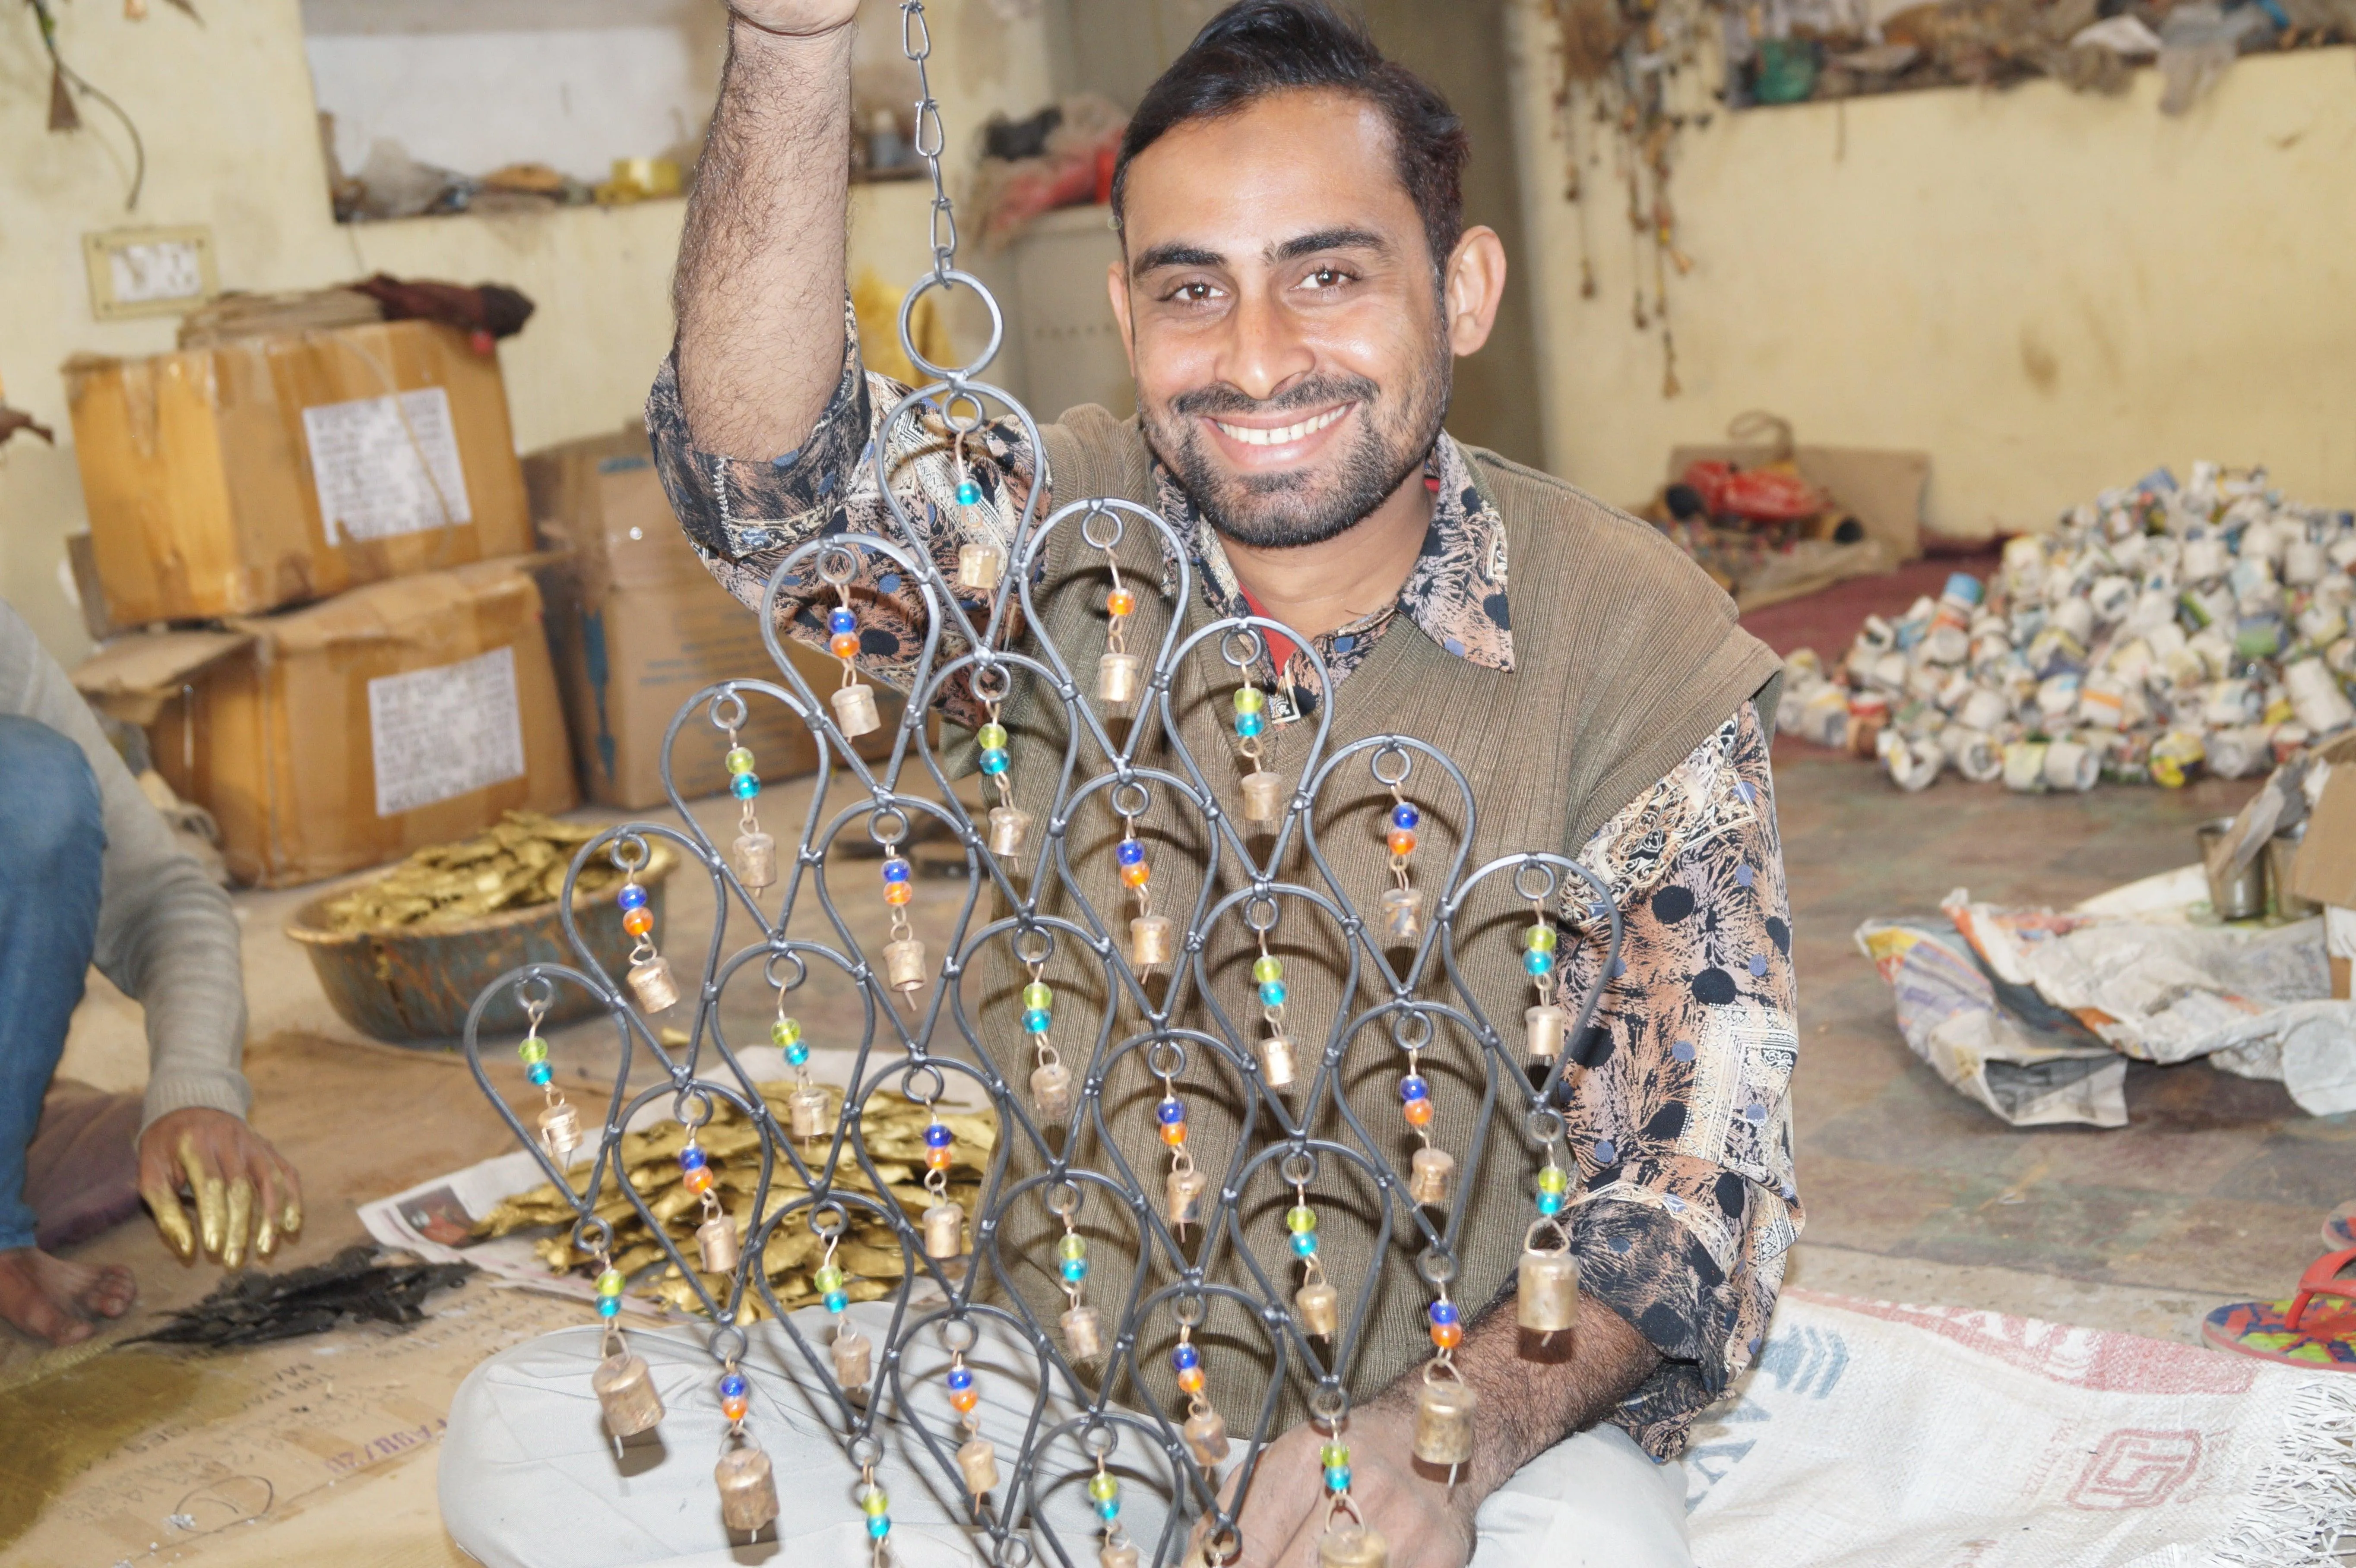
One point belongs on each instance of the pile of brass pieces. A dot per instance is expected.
(894, 1131)
(519, 863)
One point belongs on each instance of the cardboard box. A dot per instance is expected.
(270, 471)
(638, 627)
(349, 733)
(2325, 871)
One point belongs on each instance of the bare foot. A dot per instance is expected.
(55, 1300)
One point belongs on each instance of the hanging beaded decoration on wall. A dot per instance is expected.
(1179, 1028)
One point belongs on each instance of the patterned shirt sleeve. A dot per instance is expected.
(1680, 1117)
(746, 515)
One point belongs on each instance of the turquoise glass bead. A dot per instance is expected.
(609, 1306)
(1305, 1243)
(795, 1054)
(1549, 1203)
(969, 494)
(993, 762)
(1337, 1478)
(1250, 724)
(744, 787)
(1271, 993)
(1037, 1020)
(1538, 961)
(540, 1073)
(836, 1301)
(879, 1525)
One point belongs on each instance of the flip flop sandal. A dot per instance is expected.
(2340, 1230)
(2316, 1328)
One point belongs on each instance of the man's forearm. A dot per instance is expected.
(760, 284)
(1534, 1395)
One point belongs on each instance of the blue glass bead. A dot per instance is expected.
(1037, 1020)
(969, 494)
(744, 787)
(732, 1386)
(836, 1301)
(1537, 962)
(1271, 994)
(880, 1525)
(1170, 1111)
(960, 1377)
(896, 869)
(1250, 724)
(1075, 1270)
(938, 1135)
(691, 1158)
(631, 896)
(993, 762)
(1443, 1312)
(795, 1054)
(1337, 1478)
(1305, 1243)
(1109, 1510)
(1549, 1203)
(1413, 1087)
(609, 1305)
(1185, 1356)
(1404, 816)
(540, 1073)
(1129, 852)
(841, 621)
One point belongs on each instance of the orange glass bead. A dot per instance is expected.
(1173, 1133)
(1402, 841)
(898, 892)
(1134, 876)
(940, 1158)
(734, 1409)
(1418, 1113)
(1122, 601)
(964, 1399)
(1448, 1335)
(1191, 1379)
(637, 921)
(696, 1180)
(844, 645)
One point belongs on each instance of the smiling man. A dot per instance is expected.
(1295, 282)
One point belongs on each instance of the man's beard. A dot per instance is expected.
(1283, 511)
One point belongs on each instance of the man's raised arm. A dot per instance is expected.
(760, 284)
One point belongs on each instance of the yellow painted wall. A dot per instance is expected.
(228, 115)
(2049, 292)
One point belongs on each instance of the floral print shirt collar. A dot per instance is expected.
(1455, 594)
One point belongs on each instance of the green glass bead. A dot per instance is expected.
(1103, 1487)
(873, 1501)
(739, 761)
(610, 1283)
(1540, 938)
(784, 1033)
(1334, 1456)
(829, 1278)
(1073, 1246)
(1299, 1218)
(531, 1049)
(1250, 699)
(991, 737)
(1553, 1178)
(1267, 968)
(1037, 998)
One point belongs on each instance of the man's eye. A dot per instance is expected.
(1194, 294)
(1329, 277)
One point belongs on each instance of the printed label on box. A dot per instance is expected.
(441, 733)
(386, 465)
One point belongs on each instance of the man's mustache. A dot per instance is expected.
(1321, 391)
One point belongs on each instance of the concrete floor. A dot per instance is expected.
(2214, 1193)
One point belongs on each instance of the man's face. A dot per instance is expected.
(1283, 317)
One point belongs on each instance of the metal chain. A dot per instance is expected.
(916, 43)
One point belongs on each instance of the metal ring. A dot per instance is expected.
(1100, 1440)
(1406, 764)
(949, 416)
(735, 704)
(837, 565)
(1436, 1267)
(1089, 526)
(1545, 890)
(1402, 1020)
(700, 1095)
(592, 1234)
(1223, 1547)
(1543, 1125)
(938, 279)
(959, 1334)
(1044, 950)
(534, 1000)
(828, 1219)
(1252, 647)
(1187, 1307)
(1252, 916)
(875, 826)
(623, 862)
(940, 1083)
(1063, 1199)
(1013, 1552)
(770, 970)
(1165, 1059)
(1327, 1402)
(1144, 798)
(728, 1331)
(865, 1451)
(990, 670)
(1298, 1167)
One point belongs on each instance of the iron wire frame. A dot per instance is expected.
(917, 1052)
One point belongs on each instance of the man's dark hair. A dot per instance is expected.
(1255, 47)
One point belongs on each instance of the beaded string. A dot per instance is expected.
(1135, 875)
(1538, 945)
(1275, 1053)
(1447, 1333)
(1104, 1493)
(827, 1278)
(695, 1175)
(1402, 904)
(899, 887)
(786, 1034)
(1072, 1263)
(1008, 821)
(1050, 1080)
(1300, 1219)
(1554, 1182)
(560, 1124)
(977, 1459)
(1120, 603)
(756, 852)
(650, 976)
(1185, 1182)
(876, 1505)
(940, 1153)
(842, 635)
(609, 1288)
(1206, 1431)
(1251, 725)
(1415, 1097)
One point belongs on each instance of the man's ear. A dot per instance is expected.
(1117, 289)
(1474, 284)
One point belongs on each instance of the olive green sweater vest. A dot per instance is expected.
(1625, 658)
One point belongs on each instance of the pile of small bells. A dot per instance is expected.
(2163, 630)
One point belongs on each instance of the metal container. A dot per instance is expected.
(854, 710)
(1320, 1305)
(2282, 864)
(1547, 1291)
(1051, 1088)
(1352, 1546)
(625, 1387)
(748, 1488)
(1207, 1436)
(944, 1231)
(756, 861)
(1402, 916)
(1429, 1176)
(1118, 676)
(1279, 1063)
(1082, 1334)
(1548, 1026)
(716, 1245)
(854, 1357)
(978, 1462)
(2241, 895)
(412, 986)
(1443, 1422)
(1263, 799)
(1009, 829)
(1151, 939)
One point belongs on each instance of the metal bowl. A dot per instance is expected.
(414, 986)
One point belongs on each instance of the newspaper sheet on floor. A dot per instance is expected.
(2034, 1013)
